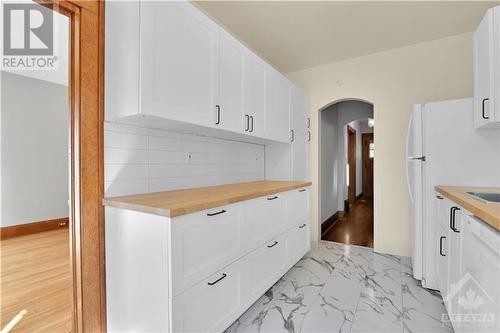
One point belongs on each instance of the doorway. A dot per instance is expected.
(346, 176)
(83, 243)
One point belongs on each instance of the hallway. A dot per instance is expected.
(356, 228)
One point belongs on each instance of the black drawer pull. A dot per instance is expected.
(302, 226)
(212, 283)
(439, 197)
(482, 108)
(303, 190)
(213, 214)
(272, 198)
(274, 244)
(441, 246)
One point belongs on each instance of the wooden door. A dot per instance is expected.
(351, 160)
(367, 139)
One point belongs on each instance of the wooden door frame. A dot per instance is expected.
(86, 104)
(365, 139)
(351, 160)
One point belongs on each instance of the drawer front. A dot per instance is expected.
(264, 267)
(297, 243)
(266, 218)
(211, 305)
(297, 206)
(204, 242)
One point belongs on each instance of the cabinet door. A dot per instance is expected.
(454, 252)
(299, 153)
(204, 242)
(277, 107)
(297, 206)
(298, 108)
(211, 305)
(265, 218)
(442, 260)
(264, 266)
(178, 62)
(231, 61)
(297, 243)
(254, 87)
(484, 112)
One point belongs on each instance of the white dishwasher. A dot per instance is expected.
(479, 294)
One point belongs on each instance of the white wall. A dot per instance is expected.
(393, 81)
(334, 152)
(141, 160)
(34, 143)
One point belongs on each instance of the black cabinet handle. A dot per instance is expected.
(274, 244)
(292, 134)
(247, 122)
(308, 122)
(452, 219)
(217, 107)
(441, 246)
(272, 198)
(439, 197)
(303, 190)
(302, 226)
(482, 108)
(309, 136)
(251, 124)
(213, 214)
(212, 283)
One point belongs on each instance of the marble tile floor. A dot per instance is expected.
(345, 288)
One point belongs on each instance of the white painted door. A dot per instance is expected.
(297, 243)
(264, 266)
(204, 242)
(211, 305)
(454, 252)
(231, 62)
(265, 218)
(277, 106)
(484, 84)
(254, 103)
(178, 62)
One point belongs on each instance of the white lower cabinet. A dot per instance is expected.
(199, 272)
(264, 266)
(211, 305)
(205, 242)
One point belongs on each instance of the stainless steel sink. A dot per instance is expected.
(487, 197)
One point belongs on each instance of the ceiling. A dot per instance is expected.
(294, 35)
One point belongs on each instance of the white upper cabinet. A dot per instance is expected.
(178, 62)
(254, 102)
(229, 109)
(169, 66)
(299, 123)
(487, 71)
(277, 107)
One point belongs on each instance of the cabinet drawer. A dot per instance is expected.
(297, 242)
(265, 218)
(204, 242)
(297, 206)
(211, 305)
(264, 266)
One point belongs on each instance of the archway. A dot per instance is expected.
(342, 126)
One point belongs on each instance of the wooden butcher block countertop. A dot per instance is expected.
(488, 212)
(181, 202)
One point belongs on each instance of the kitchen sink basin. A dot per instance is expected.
(485, 196)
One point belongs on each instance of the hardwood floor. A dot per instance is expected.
(356, 228)
(36, 282)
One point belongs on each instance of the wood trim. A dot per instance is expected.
(358, 197)
(32, 228)
(86, 89)
(351, 160)
(367, 164)
(330, 222)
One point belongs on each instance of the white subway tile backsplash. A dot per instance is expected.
(140, 160)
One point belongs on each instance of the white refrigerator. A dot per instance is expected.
(443, 149)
